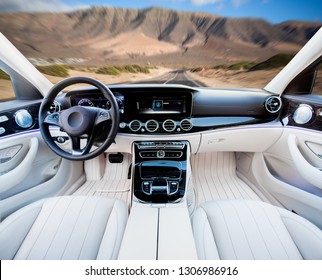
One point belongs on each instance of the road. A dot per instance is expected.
(174, 77)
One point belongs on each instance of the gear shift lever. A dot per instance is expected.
(160, 189)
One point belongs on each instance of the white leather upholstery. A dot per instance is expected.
(67, 227)
(241, 229)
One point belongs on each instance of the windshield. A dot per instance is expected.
(196, 43)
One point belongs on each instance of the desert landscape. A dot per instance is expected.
(106, 43)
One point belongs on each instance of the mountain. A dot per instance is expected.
(101, 35)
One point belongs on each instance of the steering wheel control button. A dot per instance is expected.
(103, 116)
(52, 119)
(2, 130)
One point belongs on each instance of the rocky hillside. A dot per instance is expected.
(103, 34)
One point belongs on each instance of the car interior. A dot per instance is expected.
(161, 171)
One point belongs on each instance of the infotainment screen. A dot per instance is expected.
(171, 102)
(158, 104)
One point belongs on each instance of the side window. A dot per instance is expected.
(317, 88)
(6, 89)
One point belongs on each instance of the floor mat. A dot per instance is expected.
(214, 177)
(114, 184)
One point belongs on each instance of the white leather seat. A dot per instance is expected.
(239, 229)
(67, 227)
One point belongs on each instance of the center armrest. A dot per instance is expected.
(158, 232)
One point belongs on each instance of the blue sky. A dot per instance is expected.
(274, 11)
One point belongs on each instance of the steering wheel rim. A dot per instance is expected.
(78, 120)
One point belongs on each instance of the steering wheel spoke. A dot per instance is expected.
(76, 142)
(76, 146)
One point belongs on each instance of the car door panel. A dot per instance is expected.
(310, 173)
(315, 148)
(290, 170)
(18, 170)
(29, 170)
(275, 175)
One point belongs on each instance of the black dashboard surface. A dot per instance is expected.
(180, 109)
(164, 109)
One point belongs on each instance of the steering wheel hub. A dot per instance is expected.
(77, 120)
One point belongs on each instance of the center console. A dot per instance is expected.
(159, 217)
(160, 171)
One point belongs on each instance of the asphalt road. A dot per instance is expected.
(174, 77)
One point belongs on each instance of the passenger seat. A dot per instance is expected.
(247, 230)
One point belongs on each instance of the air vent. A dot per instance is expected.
(273, 104)
(186, 124)
(135, 125)
(151, 125)
(55, 107)
(169, 125)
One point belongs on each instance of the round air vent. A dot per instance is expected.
(55, 107)
(151, 125)
(186, 124)
(169, 125)
(135, 125)
(23, 119)
(273, 104)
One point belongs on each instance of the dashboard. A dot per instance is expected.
(173, 109)
(159, 109)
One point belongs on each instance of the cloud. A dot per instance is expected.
(205, 2)
(238, 3)
(35, 6)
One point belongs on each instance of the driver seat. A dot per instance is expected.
(66, 227)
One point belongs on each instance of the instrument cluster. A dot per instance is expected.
(97, 100)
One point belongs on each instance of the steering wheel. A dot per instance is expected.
(79, 122)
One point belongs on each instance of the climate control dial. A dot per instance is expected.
(160, 153)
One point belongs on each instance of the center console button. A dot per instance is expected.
(146, 187)
(160, 154)
(173, 187)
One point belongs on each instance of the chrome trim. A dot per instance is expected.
(190, 124)
(131, 123)
(169, 121)
(151, 121)
(269, 101)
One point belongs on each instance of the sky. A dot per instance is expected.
(274, 11)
